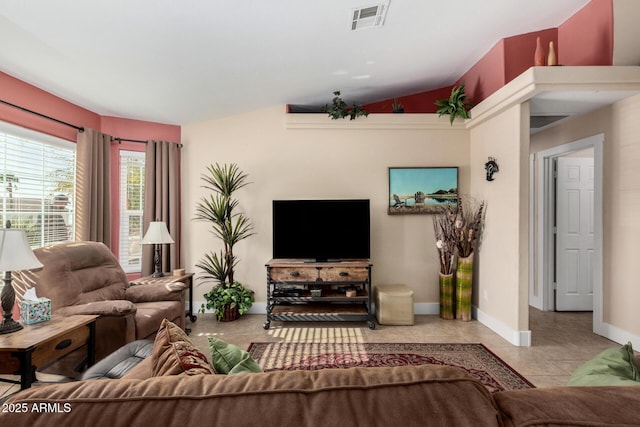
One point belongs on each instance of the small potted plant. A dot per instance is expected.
(396, 106)
(340, 110)
(229, 302)
(228, 298)
(456, 105)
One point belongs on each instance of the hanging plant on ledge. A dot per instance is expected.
(340, 110)
(456, 105)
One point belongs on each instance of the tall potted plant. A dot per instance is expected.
(228, 298)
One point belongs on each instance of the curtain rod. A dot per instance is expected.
(137, 140)
(78, 128)
(128, 140)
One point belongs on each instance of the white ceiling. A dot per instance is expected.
(179, 62)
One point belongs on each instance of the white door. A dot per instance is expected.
(575, 234)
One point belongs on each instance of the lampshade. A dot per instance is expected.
(15, 252)
(157, 233)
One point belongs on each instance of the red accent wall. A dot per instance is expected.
(520, 50)
(586, 38)
(487, 75)
(422, 102)
(139, 129)
(509, 58)
(25, 95)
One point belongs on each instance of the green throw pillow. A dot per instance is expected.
(229, 359)
(615, 366)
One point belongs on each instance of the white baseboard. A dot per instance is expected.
(426, 308)
(258, 308)
(515, 337)
(619, 335)
(518, 338)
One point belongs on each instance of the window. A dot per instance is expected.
(37, 184)
(131, 204)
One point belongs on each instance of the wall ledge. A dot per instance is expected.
(537, 80)
(372, 121)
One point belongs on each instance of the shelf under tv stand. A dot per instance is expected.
(299, 290)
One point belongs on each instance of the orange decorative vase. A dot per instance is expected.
(552, 58)
(538, 57)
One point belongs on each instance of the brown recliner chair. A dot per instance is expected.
(86, 278)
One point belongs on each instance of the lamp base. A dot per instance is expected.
(9, 325)
(157, 262)
(8, 297)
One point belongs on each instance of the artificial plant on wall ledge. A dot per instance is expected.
(228, 298)
(456, 105)
(339, 109)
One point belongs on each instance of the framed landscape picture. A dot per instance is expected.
(421, 190)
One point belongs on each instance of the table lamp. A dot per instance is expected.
(15, 254)
(157, 234)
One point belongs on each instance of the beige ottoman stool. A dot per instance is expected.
(394, 304)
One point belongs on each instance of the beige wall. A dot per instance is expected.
(502, 268)
(621, 204)
(626, 14)
(351, 160)
(330, 160)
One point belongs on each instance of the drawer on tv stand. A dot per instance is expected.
(293, 274)
(319, 274)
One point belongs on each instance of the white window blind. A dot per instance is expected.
(37, 184)
(131, 204)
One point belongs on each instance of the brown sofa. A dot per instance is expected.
(402, 396)
(86, 278)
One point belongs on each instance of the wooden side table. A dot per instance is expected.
(41, 344)
(187, 278)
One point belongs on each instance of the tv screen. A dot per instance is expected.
(321, 230)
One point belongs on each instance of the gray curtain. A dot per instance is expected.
(93, 192)
(162, 201)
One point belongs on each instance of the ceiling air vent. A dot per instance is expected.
(369, 16)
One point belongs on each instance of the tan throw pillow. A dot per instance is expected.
(175, 354)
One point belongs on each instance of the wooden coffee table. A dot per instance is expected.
(41, 344)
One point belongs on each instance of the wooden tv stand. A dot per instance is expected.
(319, 291)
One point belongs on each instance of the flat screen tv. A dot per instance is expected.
(321, 230)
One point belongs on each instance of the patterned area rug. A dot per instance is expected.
(476, 359)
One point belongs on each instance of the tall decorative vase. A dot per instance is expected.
(538, 56)
(464, 281)
(446, 296)
(552, 58)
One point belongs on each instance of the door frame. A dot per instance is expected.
(541, 255)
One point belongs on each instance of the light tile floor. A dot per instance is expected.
(561, 341)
